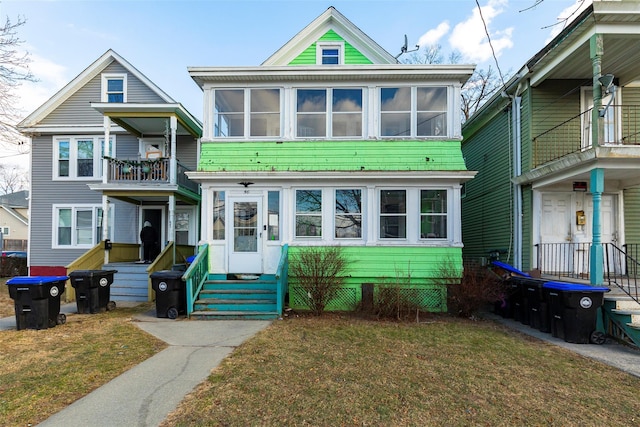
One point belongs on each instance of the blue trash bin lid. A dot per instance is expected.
(191, 258)
(35, 280)
(510, 268)
(574, 287)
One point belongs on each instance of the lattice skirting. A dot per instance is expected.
(427, 297)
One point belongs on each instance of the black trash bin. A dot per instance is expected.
(93, 290)
(37, 301)
(525, 301)
(170, 293)
(573, 311)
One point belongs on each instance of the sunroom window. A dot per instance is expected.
(393, 214)
(308, 213)
(433, 214)
(247, 112)
(413, 111)
(348, 216)
(336, 112)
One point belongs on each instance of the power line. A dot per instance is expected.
(493, 52)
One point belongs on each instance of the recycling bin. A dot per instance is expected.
(573, 311)
(537, 303)
(37, 301)
(93, 290)
(170, 293)
(526, 301)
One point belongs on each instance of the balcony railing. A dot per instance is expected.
(621, 126)
(147, 171)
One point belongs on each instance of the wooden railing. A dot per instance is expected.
(195, 276)
(282, 278)
(621, 126)
(148, 171)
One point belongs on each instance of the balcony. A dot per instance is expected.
(151, 171)
(621, 127)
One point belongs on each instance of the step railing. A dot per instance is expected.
(282, 278)
(195, 276)
(621, 270)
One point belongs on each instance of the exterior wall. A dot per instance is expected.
(332, 156)
(77, 111)
(17, 228)
(487, 204)
(187, 152)
(631, 217)
(527, 229)
(351, 55)
(420, 266)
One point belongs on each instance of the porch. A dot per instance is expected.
(148, 171)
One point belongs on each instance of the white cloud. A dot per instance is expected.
(51, 78)
(470, 39)
(566, 16)
(433, 36)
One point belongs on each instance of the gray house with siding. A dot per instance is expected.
(109, 152)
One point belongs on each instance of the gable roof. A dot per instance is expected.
(15, 200)
(82, 79)
(331, 19)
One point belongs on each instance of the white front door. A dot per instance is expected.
(608, 222)
(555, 232)
(245, 245)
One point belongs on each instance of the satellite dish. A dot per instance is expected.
(405, 47)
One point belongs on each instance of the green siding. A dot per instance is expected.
(384, 264)
(352, 56)
(527, 228)
(631, 217)
(487, 205)
(332, 156)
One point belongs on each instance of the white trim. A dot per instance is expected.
(322, 45)
(75, 208)
(73, 156)
(105, 88)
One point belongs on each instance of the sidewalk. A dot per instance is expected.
(147, 393)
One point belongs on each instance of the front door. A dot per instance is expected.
(556, 232)
(245, 251)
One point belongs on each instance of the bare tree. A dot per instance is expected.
(14, 70)
(478, 89)
(12, 179)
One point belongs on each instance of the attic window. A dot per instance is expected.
(114, 88)
(330, 53)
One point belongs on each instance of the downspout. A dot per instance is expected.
(173, 179)
(517, 171)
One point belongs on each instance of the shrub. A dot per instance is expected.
(319, 272)
(471, 289)
(395, 299)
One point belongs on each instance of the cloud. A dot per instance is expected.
(51, 77)
(432, 37)
(566, 16)
(470, 39)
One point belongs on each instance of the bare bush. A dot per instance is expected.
(319, 272)
(395, 299)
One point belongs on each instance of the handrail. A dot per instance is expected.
(195, 276)
(282, 278)
(622, 270)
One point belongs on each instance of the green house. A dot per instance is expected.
(332, 142)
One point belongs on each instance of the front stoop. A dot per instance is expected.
(237, 299)
(624, 317)
(130, 283)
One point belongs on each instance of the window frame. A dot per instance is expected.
(329, 113)
(413, 111)
(247, 113)
(336, 214)
(95, 210)
(406, 214)
(314, 214)
(98, 143)
(5, 230)
(105, 85)
(329, 45)
(444, 214)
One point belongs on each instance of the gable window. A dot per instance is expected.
(308, 213)
(78, 226)
(393, 214)
(413, 111)
(348, 215)
(330, 53)
(114, 88)
(433, 214)
(246, 112)
(78, 157)
(335, 112)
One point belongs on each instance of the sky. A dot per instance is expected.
(162, 38)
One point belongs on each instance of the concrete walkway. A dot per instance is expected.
(147, 393)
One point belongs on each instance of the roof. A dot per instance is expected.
(77, 83)
(19, 199)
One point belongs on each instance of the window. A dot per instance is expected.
(407, 111)
(433, 214)
(308, 213)
(274, 215)
(218, 215)
(348, 214)
(393, 214)
(334, 112)
(235, 109)
(79, 157)
(114, 88)
(330, 53)
(78, 226)
(4, 231)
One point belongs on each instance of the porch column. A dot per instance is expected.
(596, 271)
(105, 224)
(106, 123)
(172, 222)
(174, 156)
(597, 50)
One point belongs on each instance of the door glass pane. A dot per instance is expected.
(245, 226)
